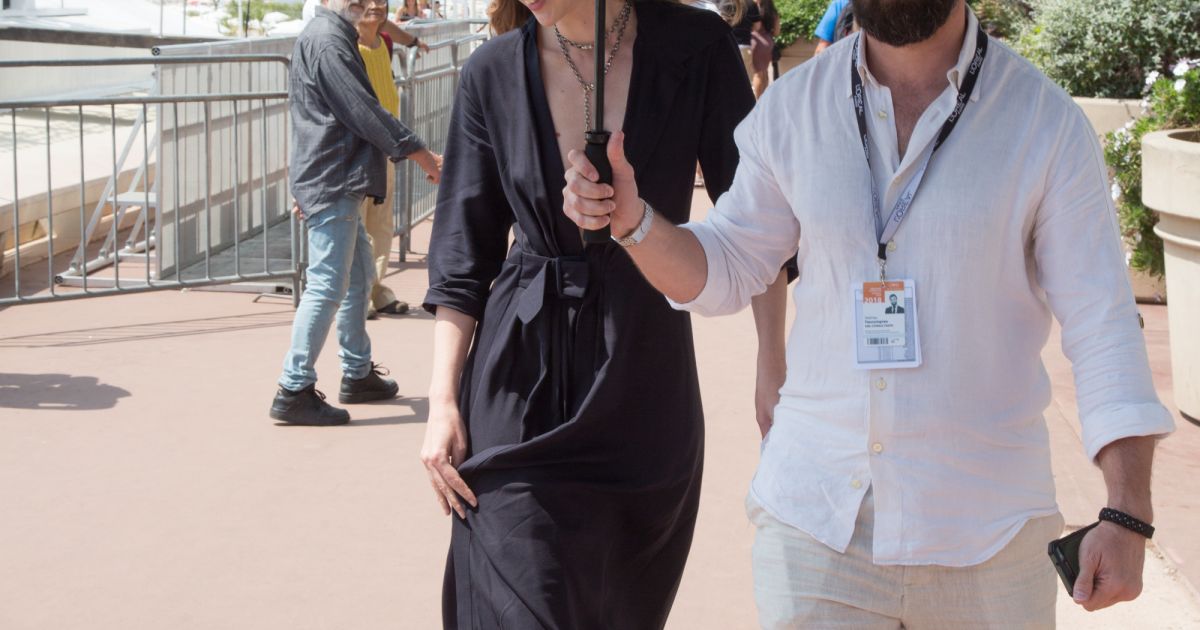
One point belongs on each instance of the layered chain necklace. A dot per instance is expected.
(589, 87)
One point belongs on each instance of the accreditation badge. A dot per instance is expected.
(885, 325)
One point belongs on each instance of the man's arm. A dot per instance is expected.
(1081, 268)
(827, 28)
(355, 106)
(1111, 557)
(714, 267)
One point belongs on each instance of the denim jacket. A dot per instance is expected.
(341, 136)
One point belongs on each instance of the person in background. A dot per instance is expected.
(375, 47)
(341, 140)
(388, 28)
(744, 17)
(829, 29)
(417, 10)
(763, 50)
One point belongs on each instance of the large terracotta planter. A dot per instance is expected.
(796, 54)
(1171, 185)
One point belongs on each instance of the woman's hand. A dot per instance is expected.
(444, 450)
(592, 206)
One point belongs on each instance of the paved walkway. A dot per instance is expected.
(143, 485)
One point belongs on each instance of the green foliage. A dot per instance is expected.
(798, 19)
(1005, 19)
(254, 11)
(1107, 48)
(1173, 102)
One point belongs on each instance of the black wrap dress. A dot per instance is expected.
(580, 393)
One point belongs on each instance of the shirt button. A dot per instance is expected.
(892, 245)
(877, 448)
(882, 113)
(856, 484)
(881, 384)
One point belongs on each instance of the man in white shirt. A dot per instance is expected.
(906, 479)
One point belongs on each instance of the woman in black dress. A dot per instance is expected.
(575, 418)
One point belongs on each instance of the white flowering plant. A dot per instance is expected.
(1171, 102)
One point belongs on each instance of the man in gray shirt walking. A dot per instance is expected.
(341, 142)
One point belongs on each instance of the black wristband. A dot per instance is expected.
(1127, 521)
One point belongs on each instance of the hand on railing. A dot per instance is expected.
(429, 162)
(297, 212)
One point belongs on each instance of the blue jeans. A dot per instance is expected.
(340, 275)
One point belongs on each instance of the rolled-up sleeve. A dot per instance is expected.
(751, 232)
(1081, 267)
(472, 218)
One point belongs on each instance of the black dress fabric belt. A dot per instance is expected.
(562, 277)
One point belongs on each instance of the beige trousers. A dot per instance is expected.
(381, 227)
(801, 583)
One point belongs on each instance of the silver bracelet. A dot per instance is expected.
(643, 228)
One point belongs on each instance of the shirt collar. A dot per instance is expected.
(953, 76)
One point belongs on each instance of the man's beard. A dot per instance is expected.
(342, 8)
(901, 22)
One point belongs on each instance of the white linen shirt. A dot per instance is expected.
(1012, 223)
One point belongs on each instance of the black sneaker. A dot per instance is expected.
(368, 388)
(306, 407)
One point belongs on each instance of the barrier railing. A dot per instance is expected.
(197, 194)
(428, 84)
(169, 240)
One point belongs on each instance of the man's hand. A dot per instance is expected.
(592, 206)
(1110, 556)
(1110, 567)
(429, 162)
(296, 211)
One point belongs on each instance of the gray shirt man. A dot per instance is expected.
(341, 136)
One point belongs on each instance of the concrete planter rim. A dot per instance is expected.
(1171, 187)
(1166, 158)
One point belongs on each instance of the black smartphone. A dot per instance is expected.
(1064, 553)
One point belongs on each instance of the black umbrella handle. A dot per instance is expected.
(596, 151)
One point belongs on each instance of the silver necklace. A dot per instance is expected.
(590, 45)
(589, 87)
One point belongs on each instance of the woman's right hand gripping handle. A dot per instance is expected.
(445, 446)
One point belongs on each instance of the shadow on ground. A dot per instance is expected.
(419, 406)
(57, 391)
(420, 412)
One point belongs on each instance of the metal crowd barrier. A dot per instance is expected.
(428, 84)
(170, 243)
(205, 200)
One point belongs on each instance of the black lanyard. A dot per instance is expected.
(885, 231)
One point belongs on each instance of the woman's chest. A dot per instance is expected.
(567, 79)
